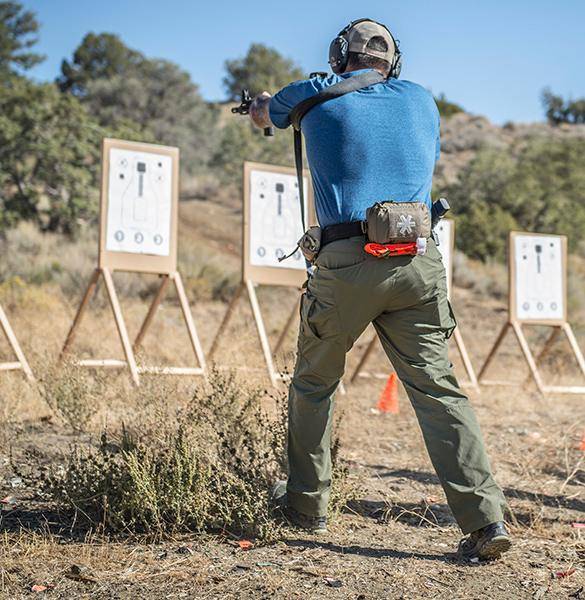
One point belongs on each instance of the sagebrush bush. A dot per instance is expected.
(73, 394)
(207, 465)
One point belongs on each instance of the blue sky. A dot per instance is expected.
(493, 57)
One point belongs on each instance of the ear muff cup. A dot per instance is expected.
(397, 63)
(338, 54)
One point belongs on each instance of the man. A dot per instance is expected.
(378, 144)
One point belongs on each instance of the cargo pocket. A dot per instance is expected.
(446, 316)
(319, 317)
(320, 347)
(307, 306)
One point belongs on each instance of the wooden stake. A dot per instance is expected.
(574, 346)
(10, 366)
(294, 312)
(193, 337)
(473, 382)
(528, 356)
(261, 332)
(364, 359)
(466, 360)
(533, 363)
(80, 312)
(493, 351)
(151, 311)
(545, 349)
(225, 321)
(121, 325)
(22, 362)
(130, 361)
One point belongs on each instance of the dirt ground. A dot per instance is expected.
(395, 540)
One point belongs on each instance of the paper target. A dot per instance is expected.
(140, 191)
(275, 219)
(539, 284)
(445, 230)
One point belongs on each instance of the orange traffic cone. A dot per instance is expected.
(388, 402)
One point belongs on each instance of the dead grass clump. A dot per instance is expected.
(37, 258)
(73, 394)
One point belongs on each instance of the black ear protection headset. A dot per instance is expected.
(339, 50)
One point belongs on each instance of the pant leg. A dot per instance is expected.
(327, 331)
(416, 341)
(318, 370)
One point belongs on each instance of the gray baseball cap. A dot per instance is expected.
(361, 33)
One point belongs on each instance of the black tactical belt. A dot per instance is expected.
(341, 231)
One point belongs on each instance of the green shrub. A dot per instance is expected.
(207, 466)
(263, 68)
(558, 110)
(538, 187)
(446, 108)
(240, 141)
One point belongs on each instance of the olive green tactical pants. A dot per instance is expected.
(406, 299)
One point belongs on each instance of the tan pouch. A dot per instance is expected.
(398, 222)
(310, 243)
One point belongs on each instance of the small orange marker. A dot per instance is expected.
(582, 444)
(388, 402)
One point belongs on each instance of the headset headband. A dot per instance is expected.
(339, 49)
(352, 24)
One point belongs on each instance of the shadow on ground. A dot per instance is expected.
(43, 520)
(368, 552)
(553, 501)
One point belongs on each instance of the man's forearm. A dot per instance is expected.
(260, 111)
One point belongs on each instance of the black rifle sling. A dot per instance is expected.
(351, 84)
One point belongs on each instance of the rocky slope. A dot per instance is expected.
(463, 134)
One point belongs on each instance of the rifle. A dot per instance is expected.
(244, 109)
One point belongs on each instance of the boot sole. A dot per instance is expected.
(495, 548)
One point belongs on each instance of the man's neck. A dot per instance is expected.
(353, 68)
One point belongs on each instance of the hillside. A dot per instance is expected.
(463, 134)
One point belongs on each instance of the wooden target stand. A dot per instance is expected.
(274, 274)
(21, 364)
(135, 161)
(447, 240)
(517, 321)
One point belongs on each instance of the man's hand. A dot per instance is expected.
(259, 112)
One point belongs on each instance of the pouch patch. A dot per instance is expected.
(398, 222)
